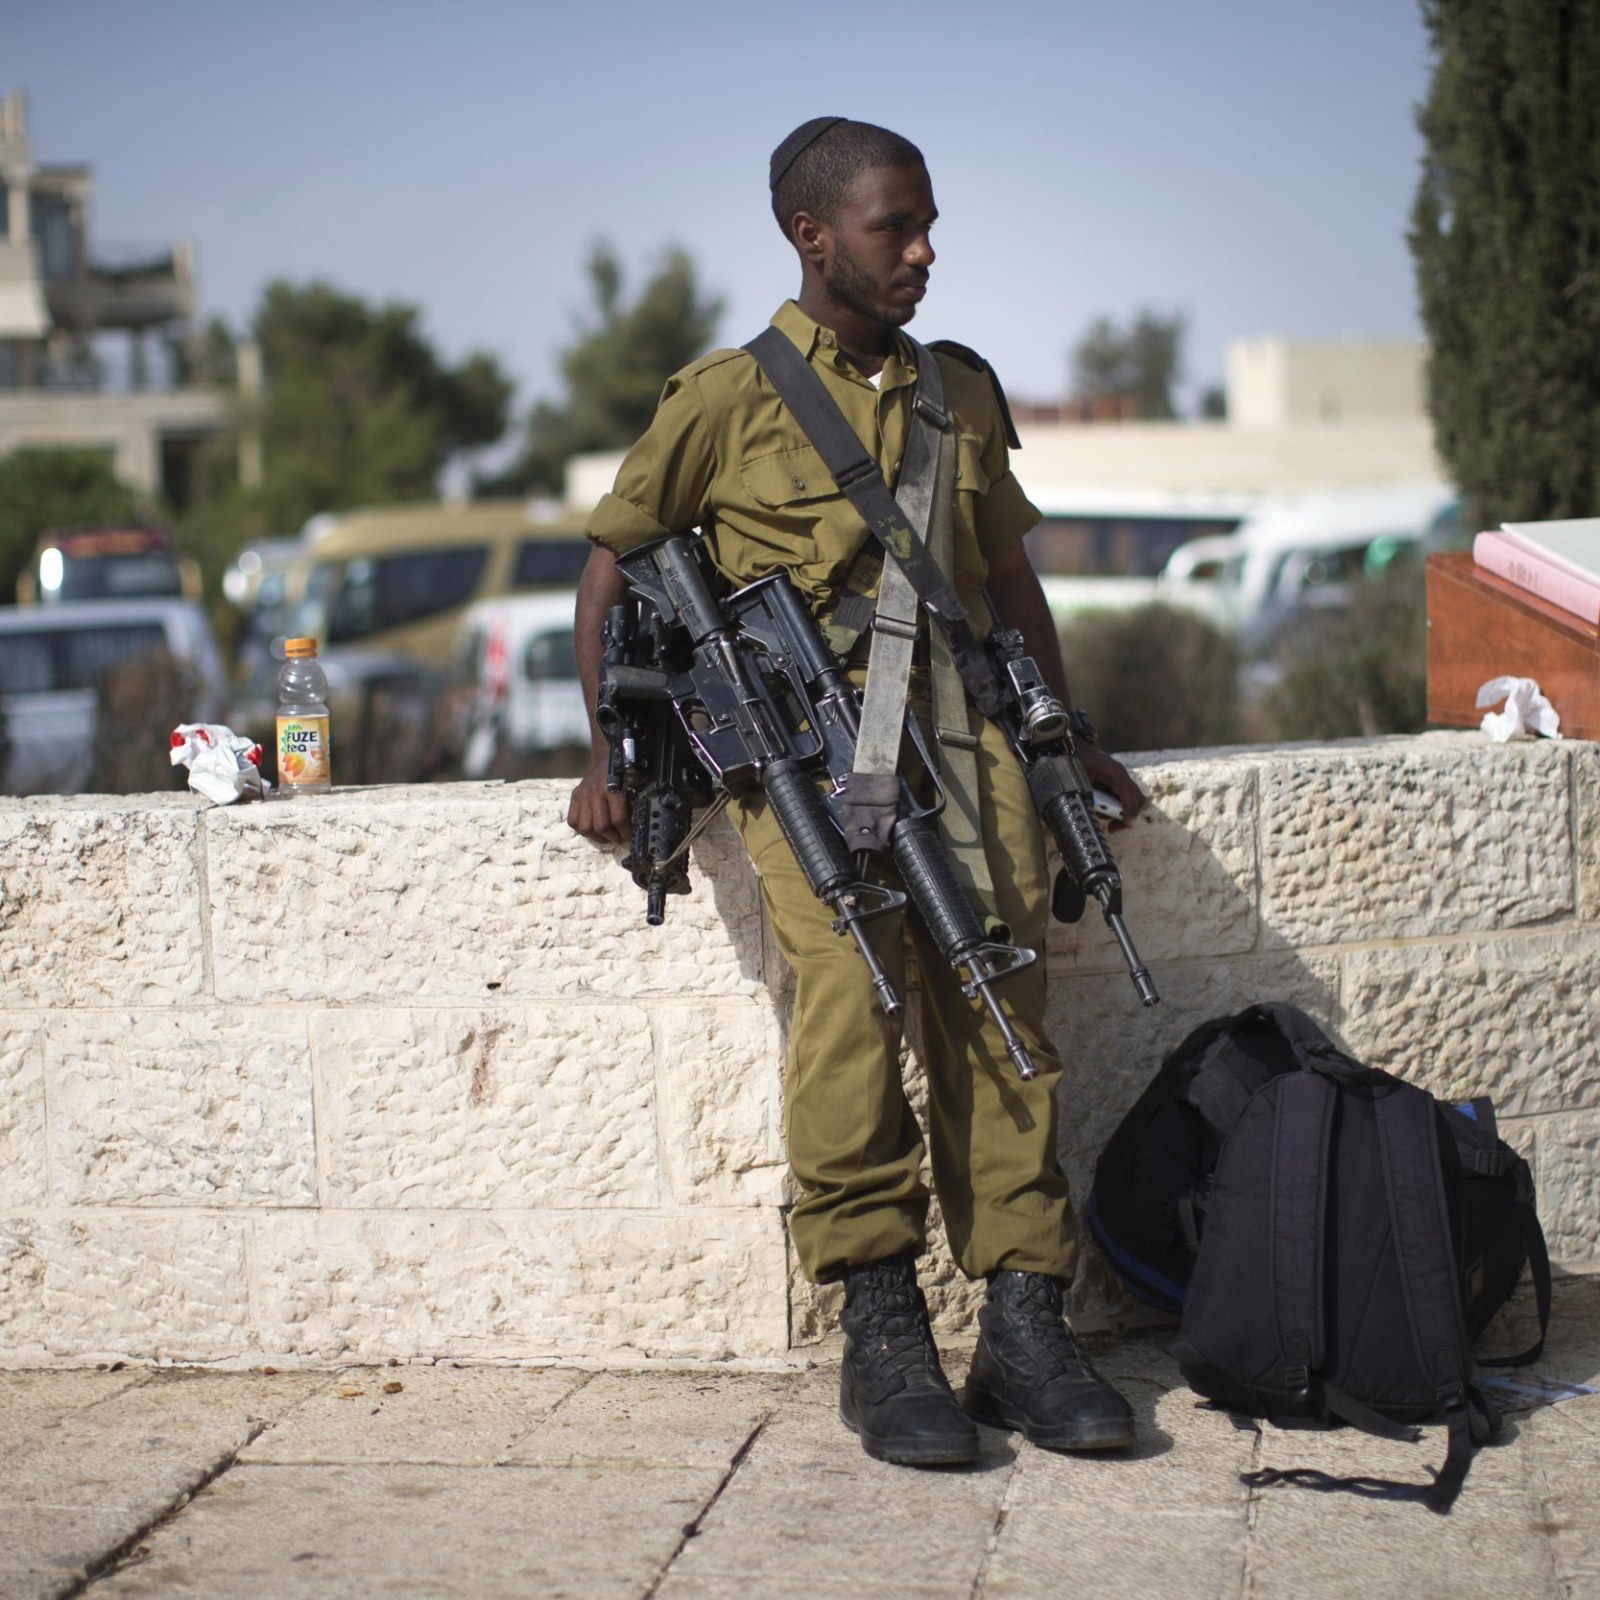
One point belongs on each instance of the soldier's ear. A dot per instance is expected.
(808, 234)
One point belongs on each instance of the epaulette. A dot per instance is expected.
(970, 358)
(712, 358)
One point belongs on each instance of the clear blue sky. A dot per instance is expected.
(1248, 161)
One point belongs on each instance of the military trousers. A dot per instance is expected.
(855, 1146)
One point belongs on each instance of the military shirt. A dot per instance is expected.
(723, 454)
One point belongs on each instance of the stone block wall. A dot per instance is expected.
(402, 1072)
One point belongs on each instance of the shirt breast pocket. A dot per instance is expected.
(788, 478)
(793, 499)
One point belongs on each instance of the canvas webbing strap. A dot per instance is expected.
(874, 787)
(961, 820)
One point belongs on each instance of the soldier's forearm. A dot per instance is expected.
(1014, 587)
(599, 589)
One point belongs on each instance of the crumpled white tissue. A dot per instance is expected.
(223, 766)
(1526, 712)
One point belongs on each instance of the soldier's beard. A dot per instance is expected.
(851, 285)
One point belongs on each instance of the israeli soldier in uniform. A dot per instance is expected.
(724, 456)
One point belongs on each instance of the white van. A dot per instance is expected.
(1301, 552)
(51, 658)
(520, 657)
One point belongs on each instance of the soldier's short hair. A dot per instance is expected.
(813, 168)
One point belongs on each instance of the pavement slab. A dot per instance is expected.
(31, 1403)
(477, 1533)
(462, 1416)
(699, 1483)
(95, 1477)
(644, 1418)
(809, 1514)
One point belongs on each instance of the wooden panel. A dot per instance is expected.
(1481, 627)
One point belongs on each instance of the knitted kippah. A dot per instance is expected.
(806, 134)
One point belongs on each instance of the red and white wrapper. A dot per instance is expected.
(223, 766)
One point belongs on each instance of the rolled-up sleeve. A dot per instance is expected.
(1005, 515)
(664, 480)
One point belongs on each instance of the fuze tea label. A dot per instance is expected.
(303, 750)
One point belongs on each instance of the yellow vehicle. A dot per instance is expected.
(397, 580)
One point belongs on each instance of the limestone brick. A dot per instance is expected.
(511, 1106)
(142, 1286)
(720, 1075)
(1585, 760)
(99, 902)
(22, 1119)
(1188, 867)
(521, 1285)
(177, 1107)
(1513, 1018)
(1413, 838)
(460, 892)
(1566, 1170)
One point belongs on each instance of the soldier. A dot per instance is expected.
(724, 455)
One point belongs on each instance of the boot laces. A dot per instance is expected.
(1034, 1305)
(896, 1324)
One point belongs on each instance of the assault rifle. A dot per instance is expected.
(1038, 729)
(650, 760)
(763, 705)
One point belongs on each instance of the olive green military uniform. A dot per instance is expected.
(724, 455)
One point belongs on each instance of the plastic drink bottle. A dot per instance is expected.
(303, 722)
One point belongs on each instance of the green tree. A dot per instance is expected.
(359, 408)
(1144, 360)
(1505, 237)
(615, 369)
(45, 489)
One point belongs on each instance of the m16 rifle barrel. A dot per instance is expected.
(948, 915)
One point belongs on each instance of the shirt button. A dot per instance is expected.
(827, 339)
(799, 483)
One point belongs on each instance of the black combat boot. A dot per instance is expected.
(1029, 1373)
(892, 1390)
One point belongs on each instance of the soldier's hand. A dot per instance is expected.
(1110, 774)
(597, 814)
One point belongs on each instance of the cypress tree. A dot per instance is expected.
(1506, 241)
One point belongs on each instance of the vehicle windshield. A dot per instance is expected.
(550, 563)
(47, 660)
(143, 575)
(553, 655)
(381, 592)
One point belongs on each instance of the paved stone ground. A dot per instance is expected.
(487, 1482)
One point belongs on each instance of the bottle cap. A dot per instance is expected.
(300, 649)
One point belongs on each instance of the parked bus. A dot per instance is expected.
(120, 561)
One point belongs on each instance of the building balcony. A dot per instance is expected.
(126, 287)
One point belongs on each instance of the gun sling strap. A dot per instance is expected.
(914, 528)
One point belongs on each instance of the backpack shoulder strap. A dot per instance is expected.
(1301, 1138)
(1408, 1139)
(1538, 1268)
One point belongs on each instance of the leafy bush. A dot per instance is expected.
(1157, 677)
(1362, 671)
(137, 705)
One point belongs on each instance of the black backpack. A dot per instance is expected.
(1334, 1238)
